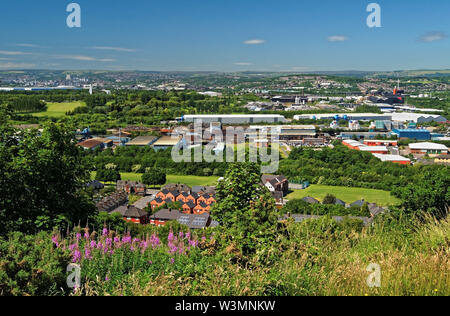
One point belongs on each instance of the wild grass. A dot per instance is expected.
(318, 259)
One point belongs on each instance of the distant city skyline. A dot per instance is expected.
(226, 35)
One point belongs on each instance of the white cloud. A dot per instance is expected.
(243, 64)
(116, 49)
(84, 58)
(16, 65)
(433, 37)
(337, 38)
(12, 53)
(255, 42)
(27, 45)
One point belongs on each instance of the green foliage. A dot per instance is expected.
(154, 178)
(42, 178)
(297, 206)
(246, 209)
(429, 193)
(329, 199)
(29, 265)
(107, 175)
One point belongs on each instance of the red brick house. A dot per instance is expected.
(202, 208)
(188, 207)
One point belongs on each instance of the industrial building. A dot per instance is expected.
(166, 142)
(347, 117)
(395, 117)
(417, 118)
(287, 132)
(418, 134)
(143, 141)
(394, 159)
(431, 149)
(235, 119)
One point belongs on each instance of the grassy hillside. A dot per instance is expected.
(312, 258)
(59, 109)
(348, 195)
(188, 180)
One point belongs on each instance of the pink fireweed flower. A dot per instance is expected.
(116, 240)
(126, 240)
(99, 246)
(87, 253)
(105, 231)
(76, 256)
(55, 241)
(108, 242)
(150, 262)
(72, 247)
(107, 279)
(181, 235)
(171, 236)
(86, 235)
(203, 238)
(78, 236)
(93, 244)
(172, 260)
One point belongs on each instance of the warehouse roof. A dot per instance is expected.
(373, 148)
(168, 141)
(142, 141)
(430, 146)
(386, 158)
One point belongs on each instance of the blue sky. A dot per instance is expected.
(225, 35)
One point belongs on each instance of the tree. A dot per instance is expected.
(430, 193)
(42, 179)
(246, 209)
(108, 175)
(329, 199)
(154, 177)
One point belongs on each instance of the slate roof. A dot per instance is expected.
(359, 203)
(166, 214)
(134, 212)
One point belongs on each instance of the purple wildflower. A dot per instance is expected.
(87, 253)
(105, 231)
(55, 240)
(172, 260)
(78, 236)
(76, 256)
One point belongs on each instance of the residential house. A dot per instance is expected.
(188, 207)
(132, 214)
(132, 187)
(112, 202)
(202, 208)
(276, 183)
(163, 216)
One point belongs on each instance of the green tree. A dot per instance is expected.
(108, 175)
(154, 178)
(245, 209)
(42, 179)
(329, 199)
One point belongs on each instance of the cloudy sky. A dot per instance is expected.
(225, 35)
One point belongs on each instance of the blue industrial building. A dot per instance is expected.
(418, 134)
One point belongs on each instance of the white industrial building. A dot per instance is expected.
(396, 117)
(235, 119)
(346, 116)
(418, 118)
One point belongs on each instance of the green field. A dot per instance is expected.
(346, 194)
(188, 180)
(59, 109)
